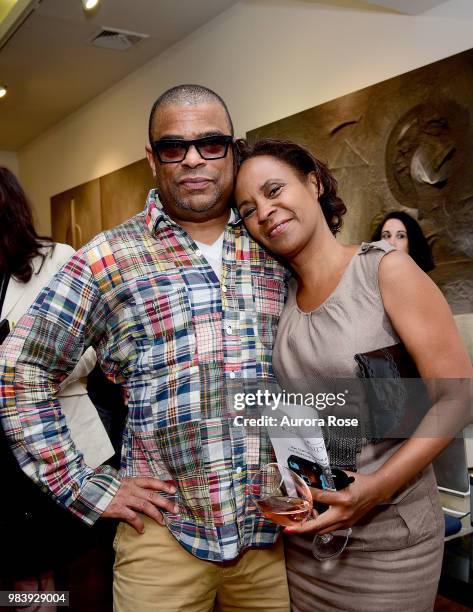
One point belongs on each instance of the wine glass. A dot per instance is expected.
(285, 498)
(281, 495)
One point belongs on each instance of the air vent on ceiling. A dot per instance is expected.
(119, 40)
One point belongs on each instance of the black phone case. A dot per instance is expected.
(311, 473)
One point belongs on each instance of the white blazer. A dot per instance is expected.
(86, 428)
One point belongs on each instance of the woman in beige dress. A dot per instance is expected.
(345, 300)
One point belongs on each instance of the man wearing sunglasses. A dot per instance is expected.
(180, 305)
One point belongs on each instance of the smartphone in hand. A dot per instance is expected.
(313, 475)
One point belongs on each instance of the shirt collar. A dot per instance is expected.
(154, 211)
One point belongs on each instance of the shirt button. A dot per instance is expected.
(229, 329)
(238, 470)
(232, 375)
(198, 252)
(224, 289)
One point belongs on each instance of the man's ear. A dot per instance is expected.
(151, 159)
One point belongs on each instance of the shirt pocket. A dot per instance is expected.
(165, 313)
(269, 295)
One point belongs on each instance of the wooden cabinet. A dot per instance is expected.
(80, 213)
(123, 193)
(75, 214)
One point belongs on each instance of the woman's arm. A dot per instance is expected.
(422, 319)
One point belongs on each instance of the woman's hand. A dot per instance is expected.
(346, 506)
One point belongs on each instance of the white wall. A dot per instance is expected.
(267, 58)
(9, 159)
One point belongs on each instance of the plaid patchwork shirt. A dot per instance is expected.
(165, 326)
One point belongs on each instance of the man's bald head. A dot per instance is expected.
(186, 95)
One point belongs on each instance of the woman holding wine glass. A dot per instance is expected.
(345, 300)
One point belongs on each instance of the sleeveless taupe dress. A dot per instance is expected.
(394, 555)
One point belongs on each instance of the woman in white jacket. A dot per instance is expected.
(27, 264)
(82, 419)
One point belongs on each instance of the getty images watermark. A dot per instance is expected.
(383, 408)
(270, 400)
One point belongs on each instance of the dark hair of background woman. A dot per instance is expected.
(303, 163)
(419, 249)
(19, 242)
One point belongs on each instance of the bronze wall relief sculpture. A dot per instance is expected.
(404, 144)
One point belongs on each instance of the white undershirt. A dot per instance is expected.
(213, 254)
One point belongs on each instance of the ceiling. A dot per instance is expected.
(5, 7)
(51, 69)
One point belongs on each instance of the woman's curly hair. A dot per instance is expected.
(303, 163)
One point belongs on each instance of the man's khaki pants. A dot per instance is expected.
(154, 573)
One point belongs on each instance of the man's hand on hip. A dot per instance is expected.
(140, 494)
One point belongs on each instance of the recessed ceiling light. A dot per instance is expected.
(89, 4)
(3, 91)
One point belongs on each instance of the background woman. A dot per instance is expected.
(33, 528)
(405, 234)
(345, 300)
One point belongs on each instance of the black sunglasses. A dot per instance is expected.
(173, 151)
